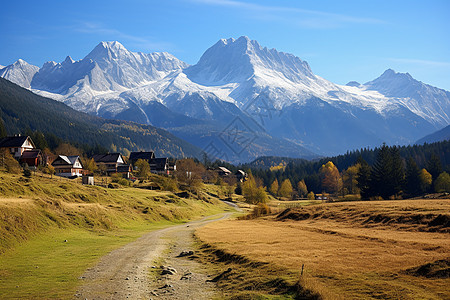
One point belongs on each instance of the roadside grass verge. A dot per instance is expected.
(51, 231)
(238, 277)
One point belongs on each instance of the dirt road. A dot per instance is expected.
(134, 271)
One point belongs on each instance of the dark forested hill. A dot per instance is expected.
(22, 110)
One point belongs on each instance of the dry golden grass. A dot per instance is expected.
(359, 250)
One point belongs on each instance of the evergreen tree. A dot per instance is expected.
(387, 175)
(363, 179)
(397, 176)
(3, 132)
(412, 180)
(434, 166)
(380, 175)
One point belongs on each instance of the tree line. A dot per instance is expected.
(384, 172)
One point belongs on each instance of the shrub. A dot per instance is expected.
(123, 181)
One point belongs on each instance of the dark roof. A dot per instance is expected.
(13, 141)
(123, 168)
(31, 154)
(107, 158)
(68, 160)
(159, 164)
(142, 155)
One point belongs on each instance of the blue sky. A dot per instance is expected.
(341, 40)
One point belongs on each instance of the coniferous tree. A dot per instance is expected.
(381, 172)
(387, 175)
(434, 166)
(3, 132)
(412, 179)
(363, 179)
(397, 176)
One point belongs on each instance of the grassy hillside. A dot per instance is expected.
(20, 110)
(52, 230)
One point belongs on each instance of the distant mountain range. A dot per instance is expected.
(21, 109)
(438, 136)
(241, 100)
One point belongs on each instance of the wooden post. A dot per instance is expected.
(303, 265)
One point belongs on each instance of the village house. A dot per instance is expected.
(68, 166)
(111, 161)
(222, 171)
(33, 158)
(135, 156)
(159, 165)
(241, 176)
(17, 144)
(125, 170)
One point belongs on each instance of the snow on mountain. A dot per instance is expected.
(427, 101)
(240, 78)
(20, 73)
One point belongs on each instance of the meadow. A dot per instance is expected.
(52, 230)
(350, 250)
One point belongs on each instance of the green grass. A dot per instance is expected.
(37, 215)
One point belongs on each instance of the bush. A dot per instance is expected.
(26, 172)
(311, 196)
(124, 182)
(116, 177)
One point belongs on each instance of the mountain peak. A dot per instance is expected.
(238, 60)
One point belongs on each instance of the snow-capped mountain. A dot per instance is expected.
(274, 94)
(20, 72)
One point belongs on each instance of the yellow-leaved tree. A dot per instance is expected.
(252, 193)
(330, 177)
(301, 188)
(274, 188)
(286, 189)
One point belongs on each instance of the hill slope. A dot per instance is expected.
(438, 136)
(20, 109)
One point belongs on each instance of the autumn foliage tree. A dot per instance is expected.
(442, 183)
(349, 179)
(302, 188)
(425, 180)
(286, 189)
(331, 179)
(274, 188)
(252, 193)
(143, 169)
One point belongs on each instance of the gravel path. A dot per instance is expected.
(125, 272)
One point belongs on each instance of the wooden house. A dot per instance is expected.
(241, 175)
(159, 165)
(111, 161)
(125, 170)
(68, 166)
(17, 144)
(222, 171)
(135, 156)
(32, 158)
